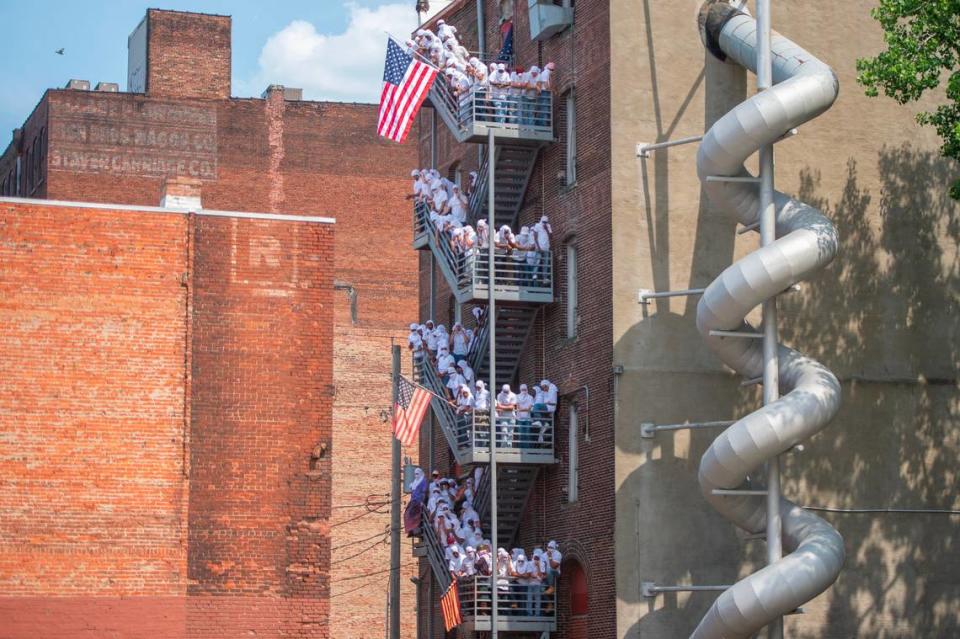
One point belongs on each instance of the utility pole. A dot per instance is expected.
(768, 234)
(492, 358)
(395, 511)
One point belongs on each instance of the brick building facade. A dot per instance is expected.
(158, 476)
(277, 154)
(625, 506)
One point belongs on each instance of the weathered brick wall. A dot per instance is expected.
(288, 157)
(188, 54)
(168, 473)
(92, 398)
(260, 422)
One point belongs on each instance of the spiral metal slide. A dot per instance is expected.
(804, 88)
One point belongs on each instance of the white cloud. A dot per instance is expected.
(344, 66)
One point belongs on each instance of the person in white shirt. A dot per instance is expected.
(483, 234)
(545, 86)
(505, 572)
(469, 568)
(553, 558)
(505, 239)
(415, 342)
(500, 88)
(550, 395)
(455, 565)
(444, 359)
(458, 205)
(445, 31)
(454, 382)
(541, 236)
(531, 92)
(463, 367)
(506, 415)
(481, 397)
(481, 405)
(461, 342)
(523, 244)
(524, 408)
(464, 400)
(535, 573)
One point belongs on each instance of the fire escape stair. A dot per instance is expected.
(514, 485)
(514, 166)
(514, 324)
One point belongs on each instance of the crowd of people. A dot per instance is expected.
(523, 420)
(523, 579)
(502, 92)
(448, 206)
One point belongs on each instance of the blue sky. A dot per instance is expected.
(333, 50)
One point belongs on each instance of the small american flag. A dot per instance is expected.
(450, 604)
(405, 85)
(408, 412)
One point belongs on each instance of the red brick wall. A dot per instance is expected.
(92, 396)
(166, 387)
(188, 54)
(261, 405)
(289, 157)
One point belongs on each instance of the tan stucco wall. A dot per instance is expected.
(883, 317)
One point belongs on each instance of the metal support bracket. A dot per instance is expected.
(733, 178)
(648, 429)
(650, 589)
(644, 148)
(736, 334)
(732, 493)
(647, 294)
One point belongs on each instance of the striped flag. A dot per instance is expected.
(408, 412)
(406, 82)
(450, 604)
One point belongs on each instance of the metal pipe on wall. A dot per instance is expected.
(394, 601)
(492, 359)
(768, 235)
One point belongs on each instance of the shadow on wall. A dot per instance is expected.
(883, 316)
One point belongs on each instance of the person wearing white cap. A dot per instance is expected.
(463, 367)
(505, 572)
(461, 342)
(545, 86)
(524, 407)
(481, 397)
(458, 205)
(554, 558)
(500, 88)
(524, 243)
(537, 573)
(415, 342)
(531, 92)
(481, 413)
(444, 30)
(505, 240)
(542, 231)
(445, 360)
(454, 382)
(464, 400)
(506, 415)
(469, 566)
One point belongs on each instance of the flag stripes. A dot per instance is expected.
(412, 404)
(450, 604)
(405, 85)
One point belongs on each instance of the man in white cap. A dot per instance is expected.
(506, 415)
(542, 232)
(554, 558)
(458, 205)
(454, 382)
(444, 30)
(524, 408)
(461, 342)
(523, 244)
(545, 86)
(415, 341)
(463, 367)
(531, 92)
(481, 412)
(500, 88)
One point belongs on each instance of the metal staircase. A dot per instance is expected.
(514, 324)
(514, 482)
(514, 165)
(519, 129)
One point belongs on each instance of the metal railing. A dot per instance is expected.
(531, 603)
(533, 433)
(497, 107)
(478, 197)
(516, 272)
(435, 553)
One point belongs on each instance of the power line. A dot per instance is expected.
(373, 545)
(360, 541)
(366, 503)
(371, 574)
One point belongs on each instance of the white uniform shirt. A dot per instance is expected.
(454, 382)
(506, 398)
(459, 209)
(467, 373)
(461, 343)
(554, 555)
(551, 398)
(524, 404)
(545, 79)
(542, 235)
(481, 400)
(445, 361)
(465, 401)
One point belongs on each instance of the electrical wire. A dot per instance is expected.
(365, 503)
(371, 574)
(360, 541)
(372, 508)
(379, 542)
(915, 511)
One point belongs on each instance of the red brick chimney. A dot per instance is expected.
(181, 193)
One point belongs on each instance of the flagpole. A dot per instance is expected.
(395, 510)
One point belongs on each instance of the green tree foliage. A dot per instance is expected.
(923, 50)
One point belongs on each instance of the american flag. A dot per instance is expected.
(450, 604)
(405, 85)
(408, 412)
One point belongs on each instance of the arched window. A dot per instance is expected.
(579, 600)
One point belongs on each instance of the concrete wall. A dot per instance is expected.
(883, 317)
